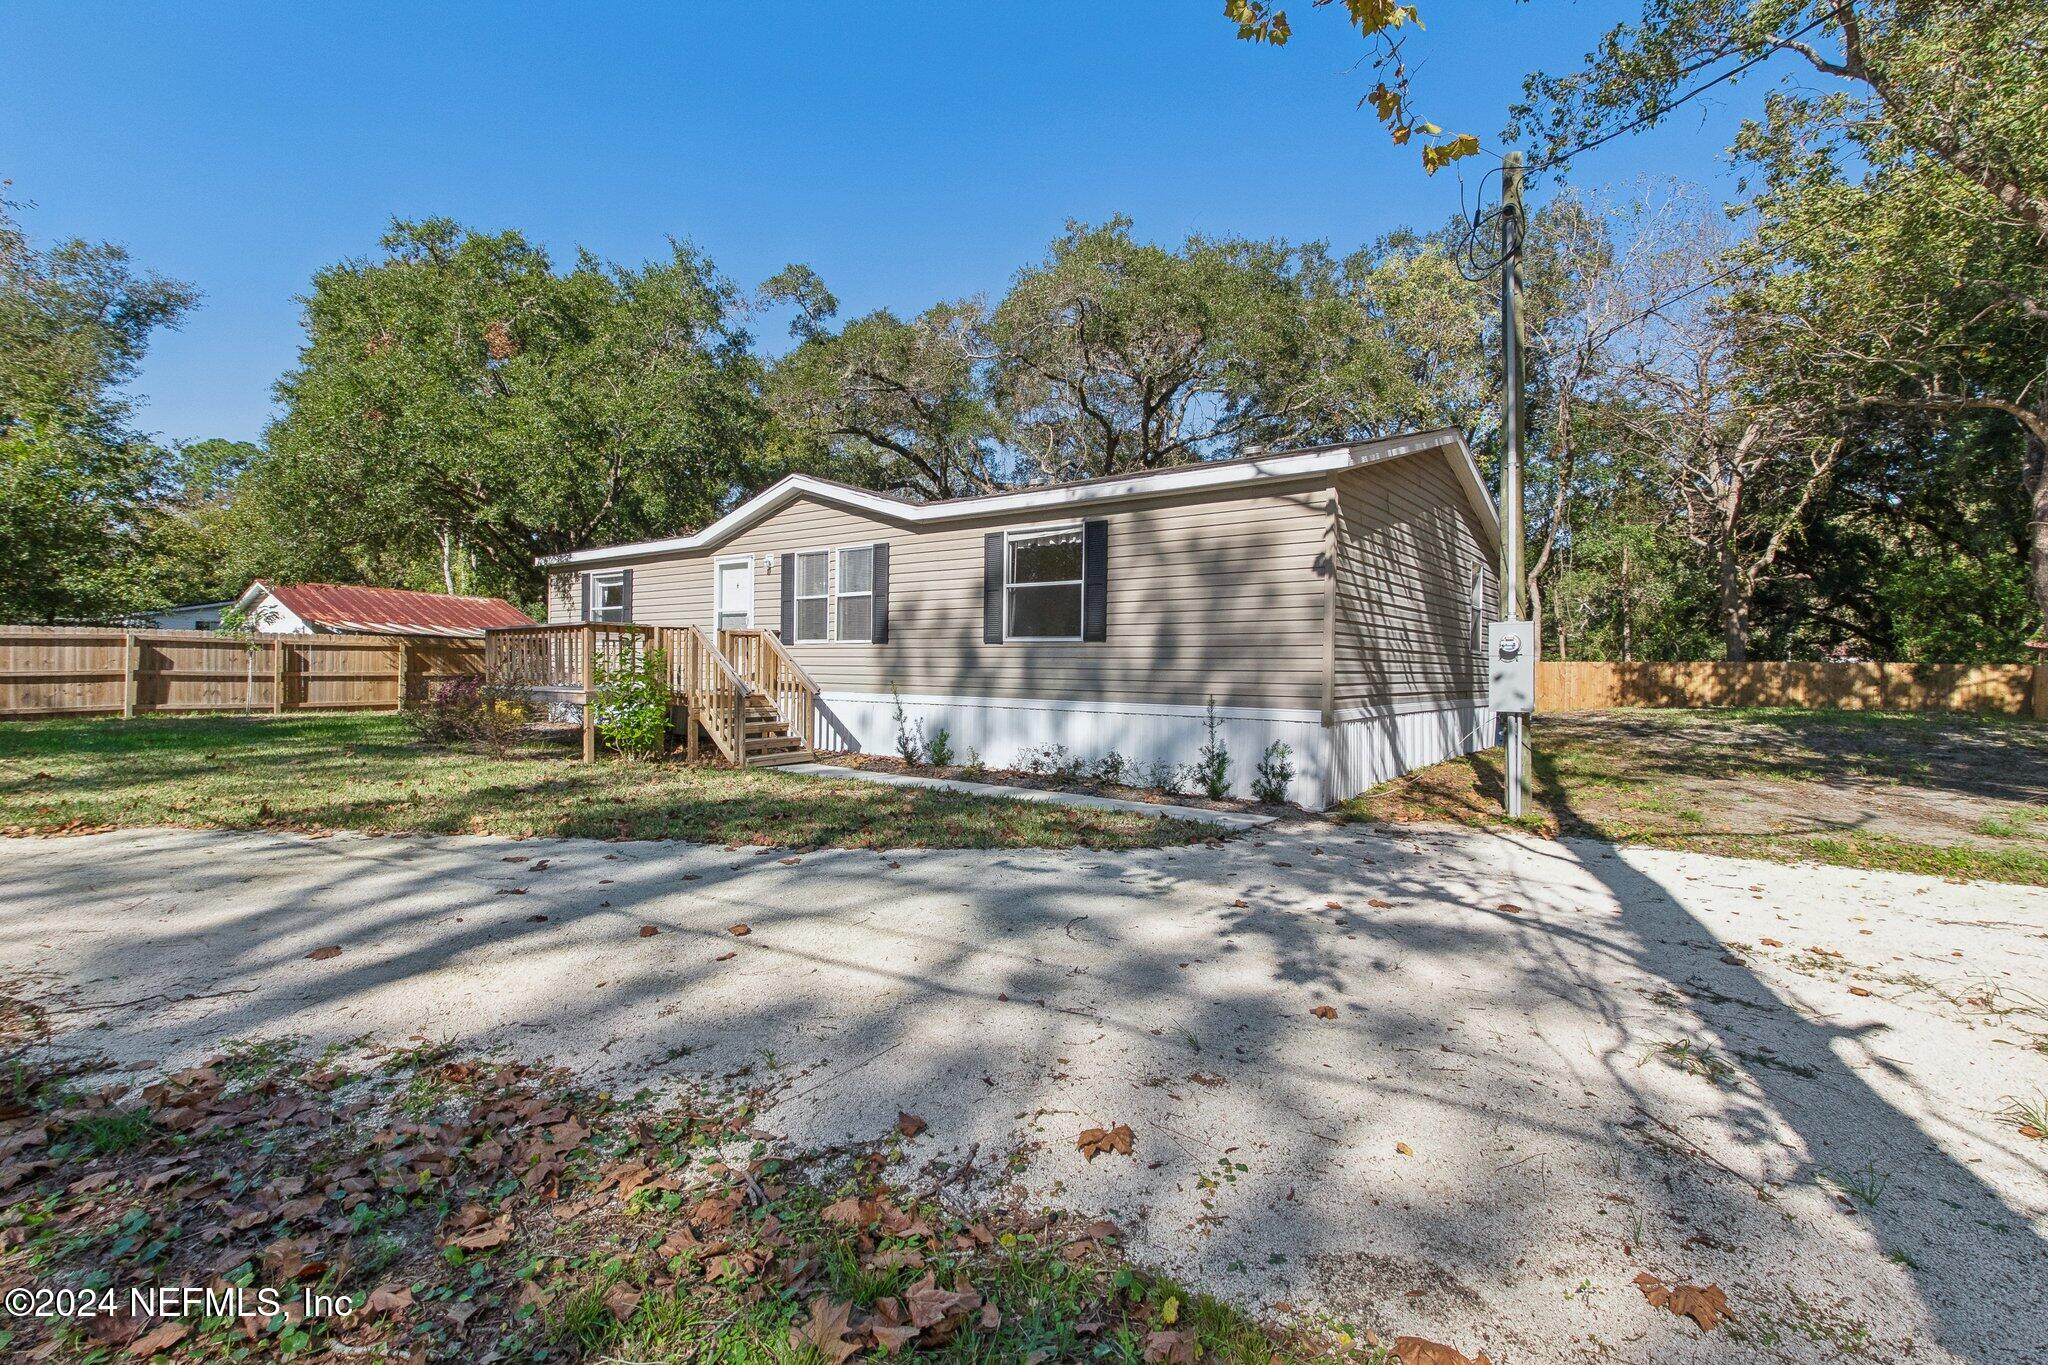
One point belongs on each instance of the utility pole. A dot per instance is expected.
(1511, 234)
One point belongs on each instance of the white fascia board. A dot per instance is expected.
(1184, 479)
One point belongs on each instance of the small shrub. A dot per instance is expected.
(1212, 763)
(939, 748)
(1164, 776)
(910, 741)
(463, 710)
(975, 767)
(1114, 769)
(632, 701)
(1052, 761)
(1274, 774)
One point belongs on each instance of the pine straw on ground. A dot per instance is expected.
(475, 1210)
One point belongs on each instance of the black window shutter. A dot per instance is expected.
(880, 634)
(992, 588)
(584, 580)
(788, 599)
(1094, 580)
(626, 593)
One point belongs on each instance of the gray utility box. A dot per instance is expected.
(1511, 667)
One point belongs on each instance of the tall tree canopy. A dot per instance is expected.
(76, 478)
(460, 400)
(1899, 269)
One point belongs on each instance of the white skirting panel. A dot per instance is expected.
(1330, 763)
(1374, 745)
(1002, 728)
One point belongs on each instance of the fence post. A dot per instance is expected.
(129, 661)
(404, 665)
(276, 675)
(589, 694)
(2041, 691)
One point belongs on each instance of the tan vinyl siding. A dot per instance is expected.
(1408, 545)
(1219, 595)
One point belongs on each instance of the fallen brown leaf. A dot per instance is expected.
(648, 931)
(162, 1337)
(910, 1125)
(738, 930)
(1404, 1149)
(1170, 1348)
(1704, 1304)
(1508, 908)
(1858, 990)
(1423, 1351)
(1095, 1142)
(1324, 1012)
(826, 1332)
(389, 1298)
(725, 957)
(322, 954)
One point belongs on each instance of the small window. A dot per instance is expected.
(608, 597)
(857, 593)
(1044, 585)
(811, 585)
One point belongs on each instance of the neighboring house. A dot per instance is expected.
(1331, 599)
(333, 608)
(194, 616)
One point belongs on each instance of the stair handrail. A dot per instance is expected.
(731, 737)
(803, 710)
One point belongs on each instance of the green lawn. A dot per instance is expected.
(367, 772)
(1945, 795)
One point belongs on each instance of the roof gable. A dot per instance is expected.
(1190, 478)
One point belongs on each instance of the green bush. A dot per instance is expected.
(939, 747)
(1212, 764)
(1274, 774)
(633, 703)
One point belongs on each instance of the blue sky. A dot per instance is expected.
(907, 152)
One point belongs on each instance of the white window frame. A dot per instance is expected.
(753, 590)
(799, 598)
(839, 553)
(1010, 583)
(594, 610)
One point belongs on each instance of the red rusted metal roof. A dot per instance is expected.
(394, 611)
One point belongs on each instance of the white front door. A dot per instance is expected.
(735, 594)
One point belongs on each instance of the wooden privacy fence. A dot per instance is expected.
(2008, 689)
(87, 671)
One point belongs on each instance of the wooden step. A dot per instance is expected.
(777, 760)
(773, 744)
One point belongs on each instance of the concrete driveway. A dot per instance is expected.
(1495, 1133)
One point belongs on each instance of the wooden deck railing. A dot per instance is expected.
(708, 691)
(711, 682)
(767, 667)
(560, 662)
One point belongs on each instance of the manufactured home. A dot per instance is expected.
(1332, 599)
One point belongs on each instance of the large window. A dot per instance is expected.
(608, 596)
(812, 587)
(1044, 585)
(857, 593)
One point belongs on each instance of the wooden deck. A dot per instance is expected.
(742, 694)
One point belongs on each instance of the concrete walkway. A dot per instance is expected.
(1551, 1066)
(1226, 818)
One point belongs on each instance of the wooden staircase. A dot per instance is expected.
(769, 739)
(745, 693)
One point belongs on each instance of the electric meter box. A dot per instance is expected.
(1511, 667)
